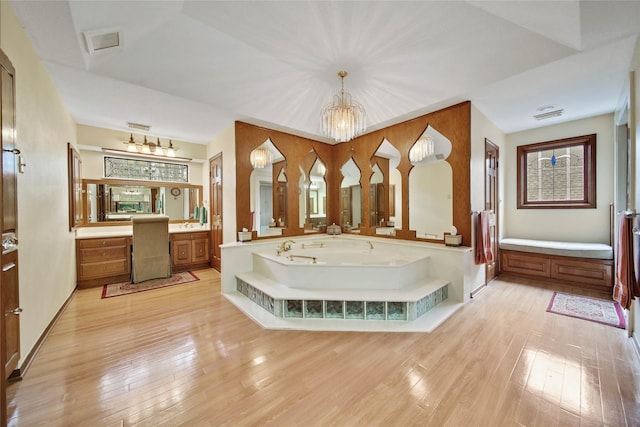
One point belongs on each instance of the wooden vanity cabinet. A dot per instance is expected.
(102, 261)
(189, 250)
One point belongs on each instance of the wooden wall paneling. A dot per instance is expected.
(453, 122)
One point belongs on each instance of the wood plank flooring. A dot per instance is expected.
(183, 355)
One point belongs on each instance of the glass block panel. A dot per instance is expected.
(445, 292)
(313, 309)
(355, 310)
(438, 297)
(375, 310)
(293, 308)
(397, 310)
(334, 310)
(145, 170)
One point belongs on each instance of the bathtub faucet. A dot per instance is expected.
(285, 246)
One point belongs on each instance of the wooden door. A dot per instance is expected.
(491, 204)
(9, 295)
(280, 208)
(215, 185)
(381, 199)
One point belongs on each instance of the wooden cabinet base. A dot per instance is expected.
(189, 251)
(594, 274)
(92, 283)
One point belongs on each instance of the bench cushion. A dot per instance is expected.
(570, 249)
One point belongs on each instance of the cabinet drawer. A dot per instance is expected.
(189, 236)
(103, 269)
(108, 253)
(101, 243)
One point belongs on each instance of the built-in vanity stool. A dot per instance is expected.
(104, 257)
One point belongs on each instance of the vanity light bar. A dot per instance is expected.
(125, 153)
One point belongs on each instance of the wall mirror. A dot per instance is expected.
(265, 185)
(431, 187)
(115, 202)
(350, 196)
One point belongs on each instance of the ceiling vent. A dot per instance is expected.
(549, 114)
(102, 41)
(138, 126)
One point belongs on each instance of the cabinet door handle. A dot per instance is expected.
(8, 266)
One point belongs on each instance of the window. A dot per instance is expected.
(558, 174)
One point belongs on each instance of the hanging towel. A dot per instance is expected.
(203, 215)
(483, 250)
(195, 213)
(626, 287)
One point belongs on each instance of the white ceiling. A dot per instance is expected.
(190, 68)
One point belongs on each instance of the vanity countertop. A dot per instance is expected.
(122, 231)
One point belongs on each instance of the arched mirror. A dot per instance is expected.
(387, 193)
(430, 186)
(317, 198)
(350, 196)
(313, 193)
(265, 159)
(377, 200)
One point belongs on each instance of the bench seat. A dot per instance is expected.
(586, 265)
(570, 249)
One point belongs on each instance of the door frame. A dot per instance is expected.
(489, 148)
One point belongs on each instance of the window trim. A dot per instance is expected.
(589, 199)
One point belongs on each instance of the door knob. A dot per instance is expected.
(16, 311)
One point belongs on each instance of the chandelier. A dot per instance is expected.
(343, 119)
(424, 147)
(151, 147)
(260, 158)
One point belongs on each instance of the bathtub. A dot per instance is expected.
(343, 264)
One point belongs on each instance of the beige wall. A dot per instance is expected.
(44, 126)
(91, 140)
(578, 225)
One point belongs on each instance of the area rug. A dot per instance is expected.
(592, 309)
(125, 288)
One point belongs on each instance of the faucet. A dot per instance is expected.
(285, 246)
(370, 244)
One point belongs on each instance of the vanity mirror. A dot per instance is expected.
(350, 196)
(431, 188)
(313, 194)
(115, 202)
(268, 190)
(388, 157)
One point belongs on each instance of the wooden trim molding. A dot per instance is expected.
(19, 373)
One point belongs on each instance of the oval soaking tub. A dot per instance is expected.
(342, 264)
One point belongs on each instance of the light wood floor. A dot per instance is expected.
(183, 355)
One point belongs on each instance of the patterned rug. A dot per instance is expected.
(125, 288)
(592, 309)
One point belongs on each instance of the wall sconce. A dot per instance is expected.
(260, 158)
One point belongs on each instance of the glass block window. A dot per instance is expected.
(145, 170)
(558, 174)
